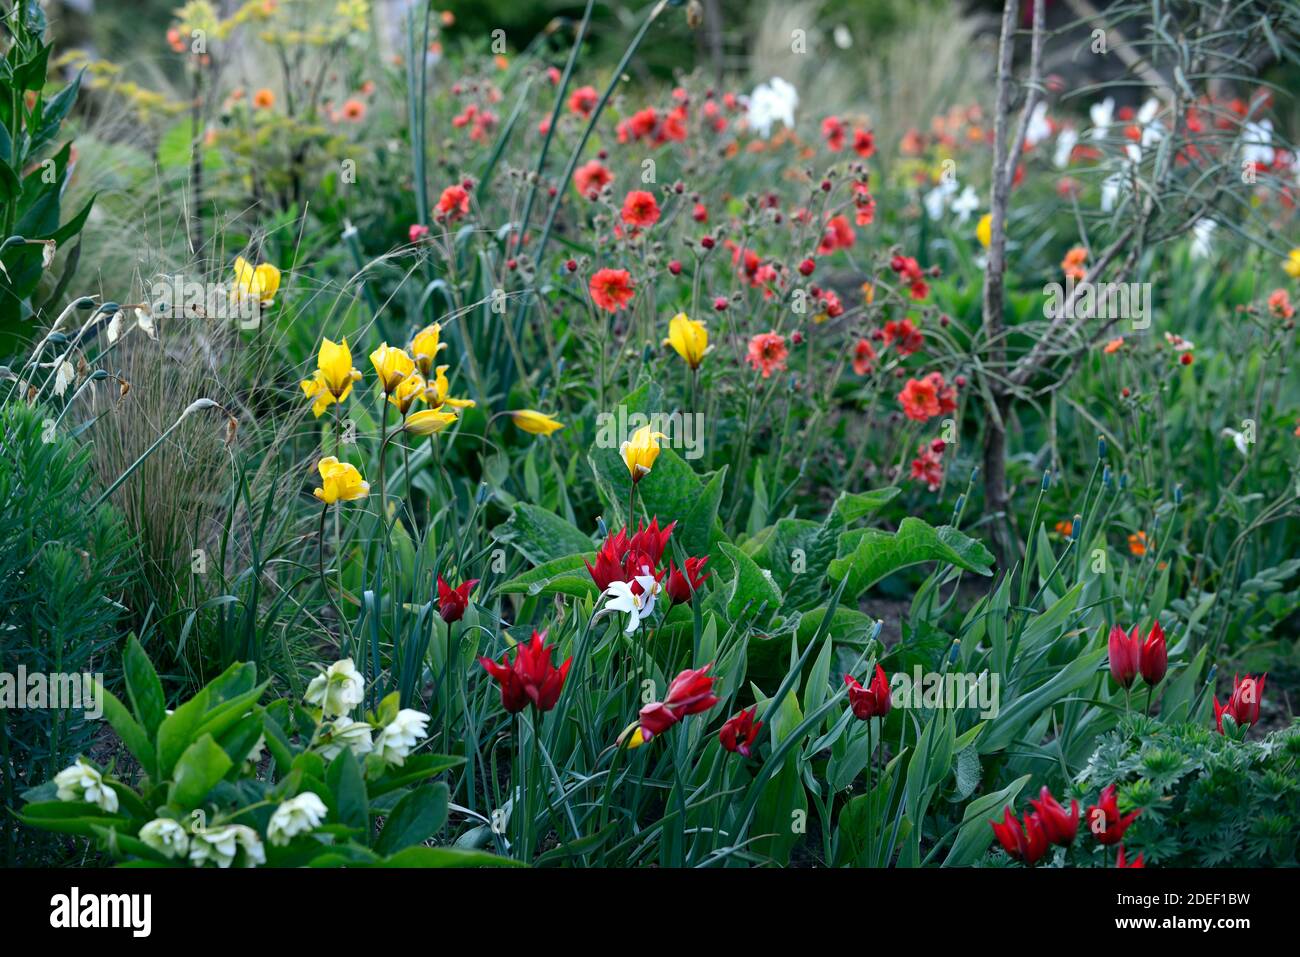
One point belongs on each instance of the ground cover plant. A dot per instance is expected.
(452, 438)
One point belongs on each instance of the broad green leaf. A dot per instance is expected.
(200, 767)
(868, 555)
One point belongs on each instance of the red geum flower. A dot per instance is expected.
(1120, 860)
(920, 399)
(531, 679)
(640, 208)
(767, 353)
(1153, 656)
(417, 232)
(452, 602)
(864, 143)
(591, 178)
(691, 692)
(583, 100)
(1104, 819)
(1059, 827)
(453, 203)
(611, 289)
(864, 357)
(739, 731)
(1124, 654)
(834, 131)
(682, 587)
(1027, 843)
(903, 334)
(1243, 703)
(871, 701)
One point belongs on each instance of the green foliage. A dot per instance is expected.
(62, 564)
(1205, 799)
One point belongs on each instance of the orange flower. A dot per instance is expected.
(591, 178)
(864, 357)
(354, 110)
(264, 99)
(611, 289)
(453, 203)
(767, 353)
(1113, 346)
(1074, 263)
(1064, 528)
(1137, 544)
(920, 399)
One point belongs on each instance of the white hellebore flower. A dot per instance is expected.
(401, 735)
(637, 607)
(1101, 115)
(339, 690)
(772, 101)
(346, 733)
(166, 836)
(219, 845)
(81, 782)
(298, 815)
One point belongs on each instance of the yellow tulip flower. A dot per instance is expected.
(640, 451)
(392, 365)
(437, 389)
(535, 422)
(333, 378)
(340, 482)
(260, 282)
(689, 338)
(984, 230)
(1292, 264)
(428, 421)
(407, 391)
(426, 346)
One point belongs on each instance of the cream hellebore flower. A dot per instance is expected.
(298, 815)
(638, 607)
(166, 837)
(220, 845)
(346, 733)
(537, 423)
(401, 735)
(336, 692)
(689, 339)
(640, 451)
(82, 782)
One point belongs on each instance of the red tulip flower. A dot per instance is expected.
(1104, 819)
(691, 692)
(1243, 703)
(531, 679)
(1121, 862)
(452, 602)
(1124, 655)
(1027, 842)
(871, 701)
(682, 587)
(739, 732)
(1059, 827)
(1153, 656)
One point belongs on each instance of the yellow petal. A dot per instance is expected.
(534, 422)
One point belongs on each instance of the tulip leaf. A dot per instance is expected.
(975, 835)
(564, 576)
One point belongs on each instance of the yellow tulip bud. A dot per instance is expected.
(640, 451)
(689, 338)
(535, 422)
(428, 421)
(426, 345)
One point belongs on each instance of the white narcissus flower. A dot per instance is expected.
(965, 204)
(1064, 147)
(337, 691)
(1038, 128)
(165, 836)
(346, 733)
(401, 735)
(1101, 115)
(220, 845)
(81, 782)
(638, 607)
(936, 201)
(772, 101)
(298, 815)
